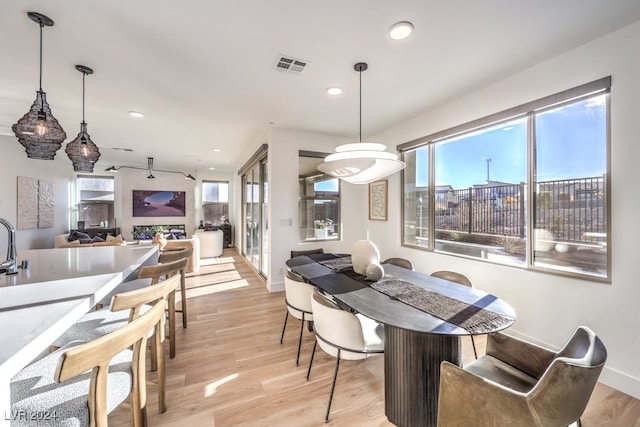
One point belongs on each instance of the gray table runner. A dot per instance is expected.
(473, 319)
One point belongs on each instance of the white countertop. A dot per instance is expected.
(38, 304)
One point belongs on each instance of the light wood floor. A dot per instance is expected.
(230, 369)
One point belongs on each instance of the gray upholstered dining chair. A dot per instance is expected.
(81, 383)
(461, 279)
(343, 335)
(400, 262)
(520, 384)
(298, 300)
(307, 252)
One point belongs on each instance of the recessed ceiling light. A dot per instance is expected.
(136, 114)
(334, 90)
(217, 150)
(212, 168)
(401, 30)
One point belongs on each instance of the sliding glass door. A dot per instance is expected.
(254, 206)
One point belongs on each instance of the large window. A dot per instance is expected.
(95, 201)
(319, 200)
(215, 201)
(526, 187)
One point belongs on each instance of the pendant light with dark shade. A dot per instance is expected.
(82, 152)
(38, 131)
(361, 162)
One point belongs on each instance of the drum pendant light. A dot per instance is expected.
(38, 131)
(361, 162)
(82, 152)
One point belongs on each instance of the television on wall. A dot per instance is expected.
(158, 203)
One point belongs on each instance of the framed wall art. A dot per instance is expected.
(158, 203)
(378, 200)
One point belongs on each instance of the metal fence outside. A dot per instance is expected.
(572, 209)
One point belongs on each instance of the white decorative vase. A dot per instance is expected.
(320, 233)
(364, 253)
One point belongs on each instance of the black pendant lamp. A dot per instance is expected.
(38, 131)
(82, 152)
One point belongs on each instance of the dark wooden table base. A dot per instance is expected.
(412, 374)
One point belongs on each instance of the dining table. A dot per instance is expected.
(54, 289)
(424, 319)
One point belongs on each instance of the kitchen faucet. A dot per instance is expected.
(10, 266)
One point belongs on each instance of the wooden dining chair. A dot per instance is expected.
(176, 254)
(461, 279)
(81, 383)
(124, 308)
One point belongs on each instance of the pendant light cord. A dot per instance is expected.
(360, 137)
(84, 74)
(41, 27)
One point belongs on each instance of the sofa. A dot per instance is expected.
(193, 263)
(62, 241)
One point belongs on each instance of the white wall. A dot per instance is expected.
(127, 180)
(283, 182)
(13, 163)
(549, 307)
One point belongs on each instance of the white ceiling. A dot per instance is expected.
(202, 70)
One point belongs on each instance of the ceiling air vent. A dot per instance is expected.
(287, 64)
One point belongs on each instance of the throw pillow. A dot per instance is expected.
(97, 239)
(117, 238)
(78, 235)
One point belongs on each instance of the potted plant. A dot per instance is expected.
(320, 229)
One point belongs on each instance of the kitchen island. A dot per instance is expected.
(59, 286)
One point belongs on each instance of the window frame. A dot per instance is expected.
(82, 202)
(529, 111)
(205, 203)
(327, 197)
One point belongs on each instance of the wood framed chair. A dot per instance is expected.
(151, 275)
(82, 382)
(520, 384)
(298, 300)
(461, 279)
(343, 335)
(126, 306)
(176, 255)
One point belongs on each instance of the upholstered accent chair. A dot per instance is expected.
(520, 384)
(343, 335)
(211, 243)
(298, 301)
